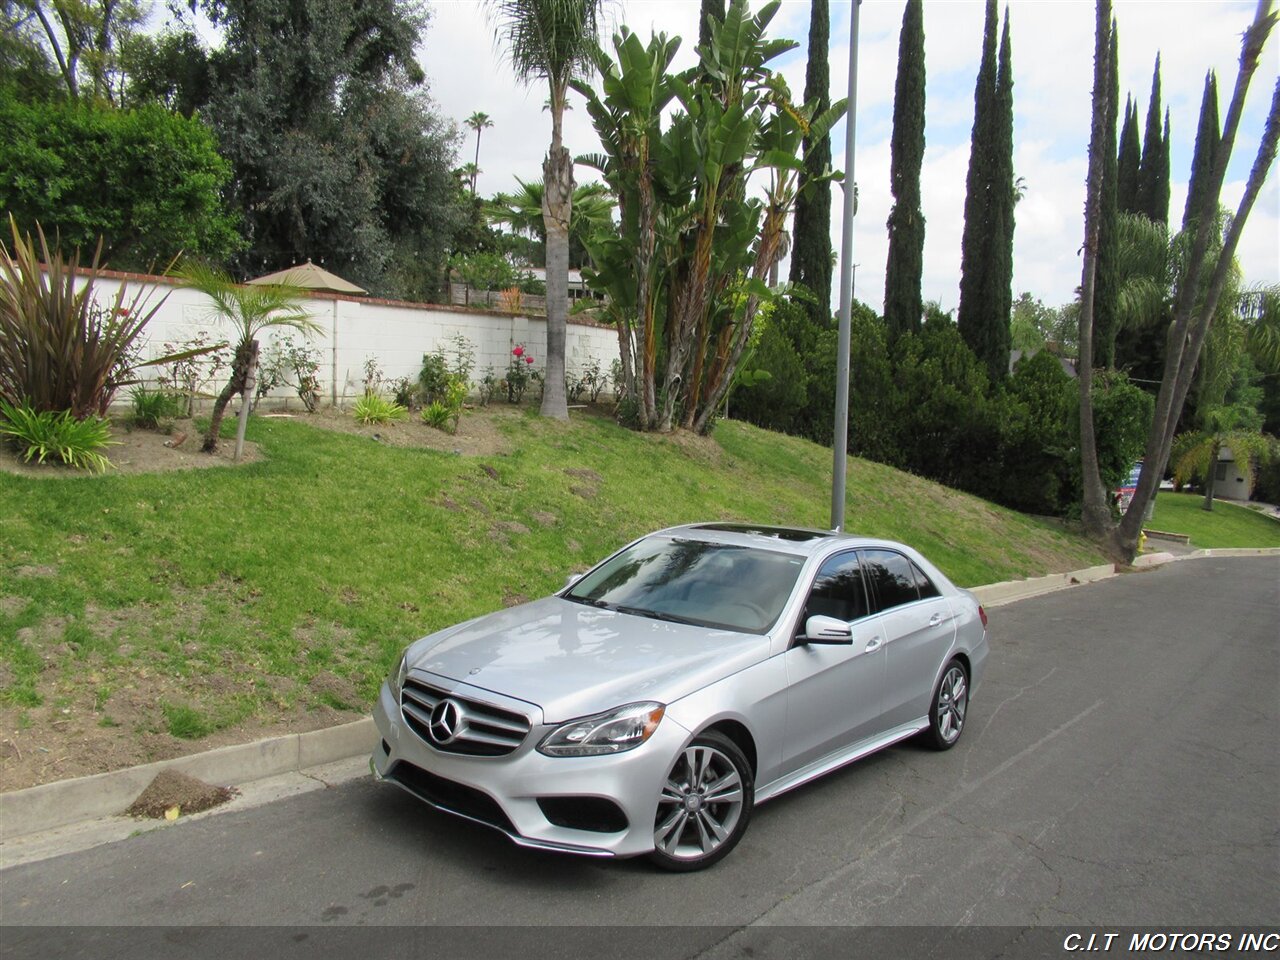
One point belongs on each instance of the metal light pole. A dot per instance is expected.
(840, 453)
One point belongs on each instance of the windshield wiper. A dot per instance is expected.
(588, 601)
(656, 615)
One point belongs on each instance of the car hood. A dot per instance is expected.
(573, 660)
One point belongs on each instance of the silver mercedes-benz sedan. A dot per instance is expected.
(697, 672)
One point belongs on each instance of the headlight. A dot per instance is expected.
(614, 732)
(398, 673)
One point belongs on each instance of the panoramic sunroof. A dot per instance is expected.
(778, 533)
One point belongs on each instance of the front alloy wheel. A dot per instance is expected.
(704, 806)
(950, 703)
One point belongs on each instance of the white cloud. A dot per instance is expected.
(1052, 52)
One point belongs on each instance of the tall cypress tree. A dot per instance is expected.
(999, 336)
(905, 266)
(1153, 158)
(1207, 136)
(1106, 278)
(973, 313)
(1160, 191)
(811, 245)
(1127, 177)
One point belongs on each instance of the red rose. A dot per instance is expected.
(528, 359)
(518, 351)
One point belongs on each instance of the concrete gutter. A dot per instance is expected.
(54, 806)
(63, 802)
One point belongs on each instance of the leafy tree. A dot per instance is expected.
(905, 266)
(250, 309)
(83, 39)
(171, 69)
(553, 41)
(478, 122)
(146, 181)
(986, 259)
(811, 245)
(25, 68)
(336, 149)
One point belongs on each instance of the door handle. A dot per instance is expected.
(935, 620)
(873, 644)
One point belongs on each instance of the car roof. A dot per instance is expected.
(803, 541)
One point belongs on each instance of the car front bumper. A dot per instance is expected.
(503, 792)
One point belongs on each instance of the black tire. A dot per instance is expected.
(949, 707)
(704, 805)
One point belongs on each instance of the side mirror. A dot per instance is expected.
(571, 579)
(827, 630)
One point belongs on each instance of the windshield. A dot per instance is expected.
(709, 584)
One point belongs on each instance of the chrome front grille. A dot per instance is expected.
(458, 724)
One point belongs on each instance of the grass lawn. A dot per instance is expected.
(1227, 525)
(148, 615)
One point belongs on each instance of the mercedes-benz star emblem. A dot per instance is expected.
(446, 721)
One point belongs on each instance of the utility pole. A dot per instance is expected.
(840, 447)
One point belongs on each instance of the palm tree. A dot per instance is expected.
(552, 40)
(250, 309)
(1235, 426)
(477, 121)
(521, 210)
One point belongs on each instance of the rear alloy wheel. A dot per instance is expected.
(704, 806)
(950, 704)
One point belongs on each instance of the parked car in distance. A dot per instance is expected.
(648, 706)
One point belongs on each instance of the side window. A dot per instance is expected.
(837, 590)
(891, 576)
(924, 584)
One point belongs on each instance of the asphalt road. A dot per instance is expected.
(1119, 768)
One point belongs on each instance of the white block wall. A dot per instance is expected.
(353, 328)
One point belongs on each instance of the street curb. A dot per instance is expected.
(998, 594)
(63, 802)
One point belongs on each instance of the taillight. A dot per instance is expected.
(983, 614)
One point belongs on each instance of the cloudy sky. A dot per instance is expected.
(1052, 63)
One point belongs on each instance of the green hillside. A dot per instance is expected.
(213, 605)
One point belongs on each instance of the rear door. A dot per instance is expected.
(918, 629)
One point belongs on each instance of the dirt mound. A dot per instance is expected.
(172, 789)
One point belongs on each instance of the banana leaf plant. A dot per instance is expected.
(691, 229)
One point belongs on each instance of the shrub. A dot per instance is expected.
(45, 433)
(372, 408)
(433, 379)
(405, 392)
(302, 361)
(487, 387)
(58, 349)
(151, 407)
(439, 415)
(196, 364)
(519, 373)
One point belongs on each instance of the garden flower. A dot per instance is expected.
(528, 359)
(518, 351)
